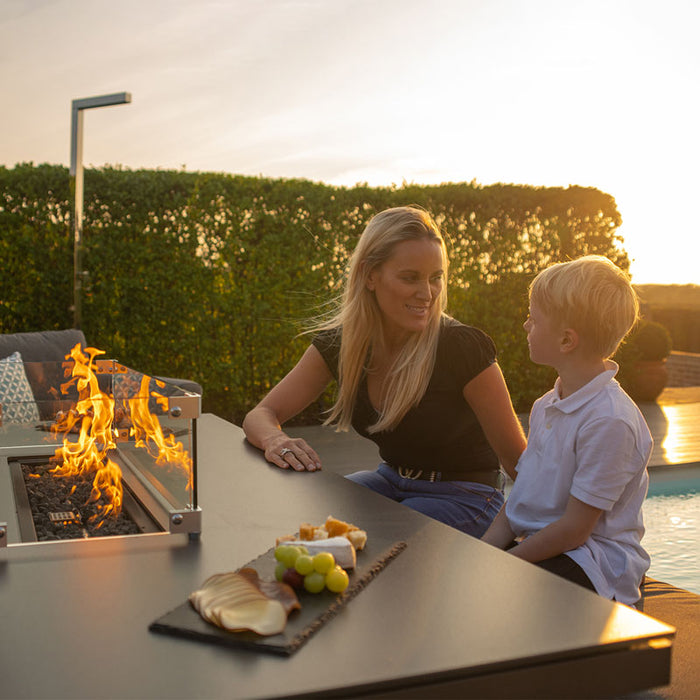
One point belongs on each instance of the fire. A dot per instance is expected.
(93, 418)
(148, 434)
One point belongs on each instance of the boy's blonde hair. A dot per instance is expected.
(591, 295)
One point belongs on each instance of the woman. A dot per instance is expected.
(424, 387)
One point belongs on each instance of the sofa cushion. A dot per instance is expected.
(16, 396)
(41, 346)
(185, 384)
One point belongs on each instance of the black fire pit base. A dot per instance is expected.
(60, 507)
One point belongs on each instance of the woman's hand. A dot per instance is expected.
(296, 453)
(262, 425)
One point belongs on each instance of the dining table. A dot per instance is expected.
(430, 611)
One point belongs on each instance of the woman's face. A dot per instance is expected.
(408, 285)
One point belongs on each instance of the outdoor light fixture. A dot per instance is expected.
(76, 174)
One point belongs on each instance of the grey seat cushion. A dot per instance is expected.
(184, 384)
(41, 346)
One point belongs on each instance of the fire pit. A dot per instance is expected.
(107, 451)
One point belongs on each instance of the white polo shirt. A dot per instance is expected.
(595, 446)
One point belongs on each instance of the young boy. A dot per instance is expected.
(576, 504)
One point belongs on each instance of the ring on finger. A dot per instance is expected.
(285, 451)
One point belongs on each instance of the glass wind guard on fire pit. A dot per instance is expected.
(30, 400)
(130, 438)
(155, 424)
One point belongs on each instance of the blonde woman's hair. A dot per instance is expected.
(360, 318)
(591, 295)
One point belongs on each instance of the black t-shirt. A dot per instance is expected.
(442, 432)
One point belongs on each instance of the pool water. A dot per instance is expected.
(672, 537)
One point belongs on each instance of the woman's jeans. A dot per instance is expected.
(464, 505)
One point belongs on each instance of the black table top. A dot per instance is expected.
(75, 616)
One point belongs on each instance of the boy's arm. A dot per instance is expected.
(499, 533)
(563, 535)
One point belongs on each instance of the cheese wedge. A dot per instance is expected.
(340, 547)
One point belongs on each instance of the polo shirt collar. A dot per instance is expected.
(585, 393)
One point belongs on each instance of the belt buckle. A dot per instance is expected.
(409, 473)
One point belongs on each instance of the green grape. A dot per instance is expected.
(324, 562)
(337, 580)
(280, 568)
(314, 582)
(304, 564)
(287, 555)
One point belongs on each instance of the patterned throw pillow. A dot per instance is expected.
(16, 397)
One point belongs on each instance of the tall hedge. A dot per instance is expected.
(209, 276)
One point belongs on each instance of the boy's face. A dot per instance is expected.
(543, 337)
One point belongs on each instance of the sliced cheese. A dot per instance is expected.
(263, 616)
(233, 602)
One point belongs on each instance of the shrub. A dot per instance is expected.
(648, 340)
(211, 276)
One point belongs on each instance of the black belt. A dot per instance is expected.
(488, 477)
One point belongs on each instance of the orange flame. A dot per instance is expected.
(148, 434)
(93, 417)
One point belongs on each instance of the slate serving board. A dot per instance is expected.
(316, 609)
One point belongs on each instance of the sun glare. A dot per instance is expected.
(676, 446)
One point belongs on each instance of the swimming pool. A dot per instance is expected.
(672, 522)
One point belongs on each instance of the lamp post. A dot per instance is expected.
(76, 186)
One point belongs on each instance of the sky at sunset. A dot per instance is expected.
(539, 92)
